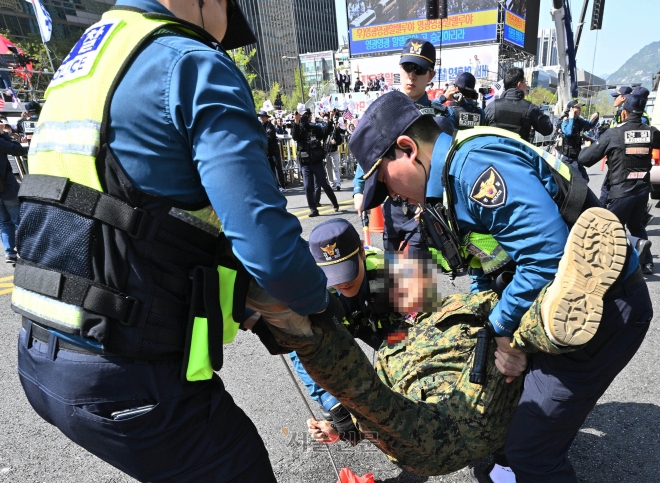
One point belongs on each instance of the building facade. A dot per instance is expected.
(285, 29)
(546, 48)
(70, 17)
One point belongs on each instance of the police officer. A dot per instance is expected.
(140, 233)
(463, 109)
(513, 113)
(572, 128)
(274, 157)
(506, 191)
(356, 273)
(628, 148)
(311, 155)
(416, 67)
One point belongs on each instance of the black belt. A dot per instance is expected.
(620, 288)
(42, 334)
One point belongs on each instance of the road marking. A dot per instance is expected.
(345, 202)
(6, 285)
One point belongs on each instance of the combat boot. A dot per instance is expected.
(593, 258)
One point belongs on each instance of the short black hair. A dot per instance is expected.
(513, 76)
(423, 130)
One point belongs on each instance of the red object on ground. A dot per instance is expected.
(367, 236)
(347, 476)
(376, 220)
(655, 156)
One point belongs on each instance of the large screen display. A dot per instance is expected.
(379, 26)
(521, 23)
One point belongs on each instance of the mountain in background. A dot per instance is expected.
(640, 68)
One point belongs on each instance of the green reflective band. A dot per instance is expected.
(227, 282)
(374, 259)
(497, 260)
(61, 315)
(439, 259)
(199, 363)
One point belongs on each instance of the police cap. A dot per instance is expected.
(572, 104)
(466, 82)
(623, 91)
(420, 52)
(636, 100)
(335, 246)
(384, 121)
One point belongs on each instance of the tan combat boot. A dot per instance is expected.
(594, 256)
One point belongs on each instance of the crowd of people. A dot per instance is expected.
(157, 235)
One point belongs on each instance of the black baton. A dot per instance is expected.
(480, 363)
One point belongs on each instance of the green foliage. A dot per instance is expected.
(241, 58)
(540, 96)
(601, 103)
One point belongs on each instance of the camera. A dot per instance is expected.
(484, 91)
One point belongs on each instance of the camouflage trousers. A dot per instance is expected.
(418, 405)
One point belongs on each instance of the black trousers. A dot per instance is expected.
(400, 227)
(315, 173)
(276, 165)
(561, 390)
(195, 431)
(631, 212)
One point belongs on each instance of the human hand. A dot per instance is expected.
(357, 202)
(322, 431)
(509, 361)
(450, 92)
(572, 112)
(296, 117)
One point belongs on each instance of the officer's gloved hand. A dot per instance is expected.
(331, 317)
(341, 420)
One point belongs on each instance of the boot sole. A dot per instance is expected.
(593, 258)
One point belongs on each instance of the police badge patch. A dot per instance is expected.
(489, 189)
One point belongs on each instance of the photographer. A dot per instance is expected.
(332, 134)
(513, 113)
(310, 156)
(464, 111)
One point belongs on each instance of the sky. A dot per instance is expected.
(628, 25)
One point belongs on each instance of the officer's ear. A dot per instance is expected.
(407, 145)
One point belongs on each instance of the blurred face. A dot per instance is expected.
(413, 83)
(326, 119)
(264, 119)
(578, 111)
(618, 101)
(352, 288)
(414, 284)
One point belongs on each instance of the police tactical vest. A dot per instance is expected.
(572, 145)
(511, 114)
(631, 163)
(140, 275)
(481, 249)
(466, 116)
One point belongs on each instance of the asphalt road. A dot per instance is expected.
(619, 443)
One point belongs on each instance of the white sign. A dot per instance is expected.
(454, 62)
(82, 58)
(638, 137)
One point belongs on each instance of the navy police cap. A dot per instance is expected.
(623, 91)
(466, 82)
(383, 122)
(335, 246)
(636, 100)
(420, 52)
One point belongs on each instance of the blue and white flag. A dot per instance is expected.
(43, 19)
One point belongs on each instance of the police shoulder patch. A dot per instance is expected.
(489, 189)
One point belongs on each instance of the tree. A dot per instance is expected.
(242, 57)
(540, 96)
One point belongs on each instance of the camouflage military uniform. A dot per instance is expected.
(419, 405)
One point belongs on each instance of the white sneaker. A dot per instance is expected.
(593, 258)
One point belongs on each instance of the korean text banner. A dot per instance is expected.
(514, 28)
(456, 30)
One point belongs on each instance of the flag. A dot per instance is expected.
(347, 115)
(2, 102)
(268, 106)
(43, 19)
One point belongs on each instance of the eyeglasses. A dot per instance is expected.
(412, 67)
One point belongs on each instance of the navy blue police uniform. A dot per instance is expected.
(507, 188)
(194, 140)
(465, 113)
(311, 155)
(628, 148)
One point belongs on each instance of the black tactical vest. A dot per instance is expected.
(572, 145)
(630, 165)
(466, 116)
(511, 115)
